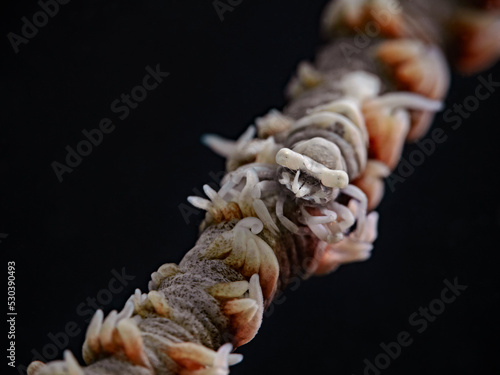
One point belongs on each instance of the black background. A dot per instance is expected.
(120, 206)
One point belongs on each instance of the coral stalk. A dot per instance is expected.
(301, 187)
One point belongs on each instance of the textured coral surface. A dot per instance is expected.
(230, 288)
